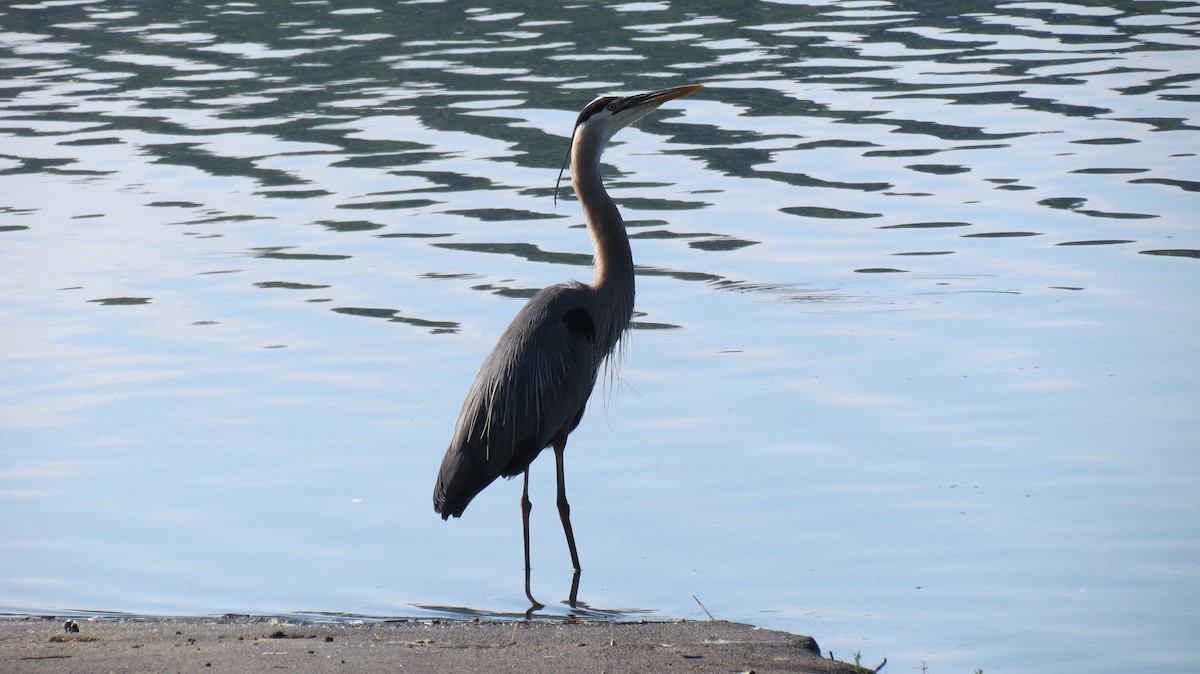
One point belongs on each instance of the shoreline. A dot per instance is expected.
(50, 644)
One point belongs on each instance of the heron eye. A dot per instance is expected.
(611, 106)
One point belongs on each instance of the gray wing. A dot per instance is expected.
(533, 385)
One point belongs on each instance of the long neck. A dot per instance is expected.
(613, 280)
(614, 260)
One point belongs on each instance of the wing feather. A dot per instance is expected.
(533, 385)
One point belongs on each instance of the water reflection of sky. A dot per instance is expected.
(916, 345)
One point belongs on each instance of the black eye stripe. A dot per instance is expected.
(594, 107)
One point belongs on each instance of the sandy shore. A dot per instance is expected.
(246, 644)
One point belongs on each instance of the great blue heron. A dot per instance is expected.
(531, 391)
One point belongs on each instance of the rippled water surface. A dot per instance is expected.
(914, 368)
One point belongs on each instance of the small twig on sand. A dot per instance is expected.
(710, 616)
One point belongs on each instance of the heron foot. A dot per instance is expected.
(534, 605)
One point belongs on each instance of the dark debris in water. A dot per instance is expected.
(880, 270)
(502, 214)
(647, 325)
(926, 225)
(899, 153)
(784, 292)
(1173, 252)
(276, 253)
(1063, 203)
(391, 205)
(943, 131)
(722, 244)
(289, 285)
(644, 204)
(366, 313)
(448, 181)
(667, 234)
(938, 169)
(999, 235)
(200, 156)
(294, 194)
(1161, 123)
(833, 142)
(1108, 171)
(122, 301)
(46, 165)
(1117, 216)
(703, 277)
(1076, 204)
(1187, 185)
(413, 235)
(524, 250)
(712, 242)
(87, 142)
(223, 218)
(804, 180)
(1105, 141)
(447, 276)
(827, 213)
(384, 160)
(349, 225)
(513, 293)
(394, 316)
(174, 204)
(1096, 242)
(635, 224)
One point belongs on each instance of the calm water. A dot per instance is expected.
(916, 362)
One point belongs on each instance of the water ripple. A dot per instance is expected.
(852, 248)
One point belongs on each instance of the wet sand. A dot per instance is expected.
(247, 644)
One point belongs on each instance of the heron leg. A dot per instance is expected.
(564, 513)
(526, 506)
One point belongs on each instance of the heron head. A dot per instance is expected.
(609, 114)
(606, 115)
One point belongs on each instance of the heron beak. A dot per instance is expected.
(654, 99)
